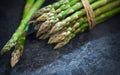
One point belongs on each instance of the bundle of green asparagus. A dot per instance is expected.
(60, 22)
(63, 20)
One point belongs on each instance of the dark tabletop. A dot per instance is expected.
(95, 52)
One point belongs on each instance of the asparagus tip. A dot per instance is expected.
(15, 56)
(44, 36)
(37, 34)
(36, 27)
(41, 18)
(50, 41)
(57, 38)
(59, 45)
(53, 39)
(44, 27)
(13, 62)
(14, 59)
(56, 27)
(4, 50)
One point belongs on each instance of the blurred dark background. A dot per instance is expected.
(95, 52)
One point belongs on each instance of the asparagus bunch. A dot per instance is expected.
(46, 26)
(19, 36)
(68, 20)
(60, 22)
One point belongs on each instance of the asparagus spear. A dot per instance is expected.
(62, 36)
(66, 6)
(58, 26)
(17, 52)
(84, 27)
(21, 27)
(51, 21)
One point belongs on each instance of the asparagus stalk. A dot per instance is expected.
(27, 7)
(58, 26)
(21, 27)
(84, 27)
(17, 52)
(66, 6)
(97, 12)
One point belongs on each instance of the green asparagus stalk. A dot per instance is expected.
(66, 6)
(27, 7)
(58, 26)
(97, 12)
(51, 21)
(21, 27)
(84, 27)
(17, 52)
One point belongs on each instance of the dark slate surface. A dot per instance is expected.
(95, 52)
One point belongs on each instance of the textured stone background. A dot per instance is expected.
(96, 52)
